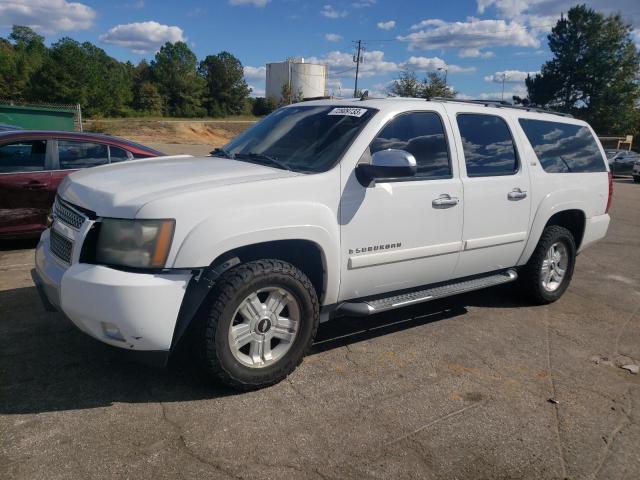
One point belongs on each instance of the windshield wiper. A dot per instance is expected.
(261, 156)
(221, 152)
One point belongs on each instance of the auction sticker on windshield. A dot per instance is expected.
(348, 111)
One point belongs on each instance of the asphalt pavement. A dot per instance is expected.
(480, 386)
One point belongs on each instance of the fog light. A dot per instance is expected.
(111, 331)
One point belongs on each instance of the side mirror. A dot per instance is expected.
(386, 164)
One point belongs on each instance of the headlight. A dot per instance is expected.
(134, 243)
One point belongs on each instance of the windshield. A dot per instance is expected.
(300, 138)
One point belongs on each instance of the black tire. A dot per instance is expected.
(530, 281)
(636, 179)
(230, 290)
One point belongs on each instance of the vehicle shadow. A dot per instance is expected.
(21, 244)
(48, 365)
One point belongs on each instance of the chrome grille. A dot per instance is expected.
(61, 246)
(66, 215)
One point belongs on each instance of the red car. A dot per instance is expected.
(33, 163)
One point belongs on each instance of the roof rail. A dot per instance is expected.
(502, 104)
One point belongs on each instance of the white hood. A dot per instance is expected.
(120, 190)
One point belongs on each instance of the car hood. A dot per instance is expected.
(120, 190)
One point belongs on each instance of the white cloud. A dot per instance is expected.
(433, 63)
(474, 53)
(135, 5)
(542, 15)
(142, 37)
(341, 64)
(330, 12)
(363, 3)
(255, 73)
(432, 34)
(254, 3)
(46, 16)
(391, 24)
(256, 91)
(510, 76)
(332, 37)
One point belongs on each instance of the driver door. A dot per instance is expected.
(399, 233)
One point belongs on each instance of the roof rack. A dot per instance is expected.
(502, 104)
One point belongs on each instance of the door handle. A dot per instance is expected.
(517, 194)
(445, 201)
(33, 186)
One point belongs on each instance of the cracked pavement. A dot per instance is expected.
(458, 388)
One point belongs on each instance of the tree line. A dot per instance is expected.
(174, 83)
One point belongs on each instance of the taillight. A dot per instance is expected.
(610, 193)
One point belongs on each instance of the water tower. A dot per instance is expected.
(305, 80)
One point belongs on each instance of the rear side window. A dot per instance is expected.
(422, 135)
(23, 156)
(117, 154)
(488, 146)
(73, 154)
(562, 147)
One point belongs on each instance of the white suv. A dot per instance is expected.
(321, 209)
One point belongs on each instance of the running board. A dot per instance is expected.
(369, 307)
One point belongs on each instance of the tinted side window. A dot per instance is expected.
(562, 147)
(421, 134)
(27, 156)
(74, 154)
(488, 145)
(117, 154)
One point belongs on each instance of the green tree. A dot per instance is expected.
(20, 57)
(262, 106)
(594, 73)
(288, 96)
(82, 73)
(434, 86)
(176, 77)
(406, 85)
(146, 97)
(226, 89)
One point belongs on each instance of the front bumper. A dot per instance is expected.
(136, 311)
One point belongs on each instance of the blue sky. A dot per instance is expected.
(478, 42)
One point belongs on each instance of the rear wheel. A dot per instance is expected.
(636, 179)
(549, 270)
(263, 319)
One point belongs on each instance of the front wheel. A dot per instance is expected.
(548, 272)
(636, 179)
(263, 319)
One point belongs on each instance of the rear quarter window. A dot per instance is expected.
(563, 147)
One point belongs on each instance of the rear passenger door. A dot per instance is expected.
(496, 192)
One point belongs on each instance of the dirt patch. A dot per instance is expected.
(209, 133)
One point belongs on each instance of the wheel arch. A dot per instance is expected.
(570, 215)
(304, 254)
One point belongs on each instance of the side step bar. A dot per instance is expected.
(382, 304)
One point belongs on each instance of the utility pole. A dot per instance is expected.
(504, 77)
(357, 60)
